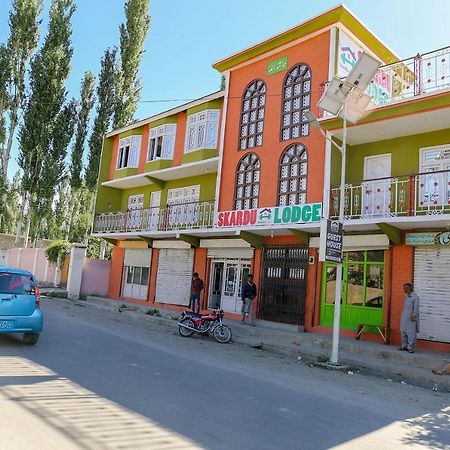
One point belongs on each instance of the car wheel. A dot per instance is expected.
(30, 338)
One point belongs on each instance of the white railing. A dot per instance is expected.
(171, 217)
(411, 77)
(426, 193)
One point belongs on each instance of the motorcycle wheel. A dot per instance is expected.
(222, 334)
(184, 331)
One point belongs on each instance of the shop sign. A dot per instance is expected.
(278, 65)
(331, 241)
(276, 215)
(442, 238)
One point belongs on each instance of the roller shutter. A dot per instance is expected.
(173, 281)
(432, 284)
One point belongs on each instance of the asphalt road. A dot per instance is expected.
(104, 380)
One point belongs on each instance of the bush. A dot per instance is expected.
(56, 252)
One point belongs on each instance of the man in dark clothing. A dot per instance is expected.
(249, 292)
(196, 289)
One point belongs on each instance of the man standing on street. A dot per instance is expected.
(409, 323)
(248, 295)
(196, 289)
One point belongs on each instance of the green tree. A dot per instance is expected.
(24, 21)
(48, 123)
(132, 36)
(85, 105)
(104, 110)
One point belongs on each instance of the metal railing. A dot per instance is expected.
(170, 217)
(426, 193)
(409, 78)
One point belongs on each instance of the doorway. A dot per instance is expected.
(227, 277)
(376, 192)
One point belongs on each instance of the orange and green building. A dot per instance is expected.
(237, 182)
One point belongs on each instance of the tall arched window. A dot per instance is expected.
(293, 176)
(252, 115)
(247, 182)
(296, 102)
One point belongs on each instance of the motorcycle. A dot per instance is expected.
(191, 323)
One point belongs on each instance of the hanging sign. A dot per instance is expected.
(278, 65)
(331, 241)
(442, 238)
(276, 215)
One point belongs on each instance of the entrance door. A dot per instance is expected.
(283, 287)
(155, 203)
(226, 284)
(376, 194)
(135, 205)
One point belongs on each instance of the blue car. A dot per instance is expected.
(19, 304)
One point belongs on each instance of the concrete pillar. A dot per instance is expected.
(77, 255)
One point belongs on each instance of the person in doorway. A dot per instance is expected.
(249, 292)
(196, 289)
(409, 322)
(445, 370)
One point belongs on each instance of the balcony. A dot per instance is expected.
(422, 194)
(412, 77)
(184, 216)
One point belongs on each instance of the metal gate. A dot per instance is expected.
(283, 284)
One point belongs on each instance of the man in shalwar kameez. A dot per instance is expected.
(409, 322)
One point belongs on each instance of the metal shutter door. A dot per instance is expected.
(137, 257)
(174, 277)
(432, 284)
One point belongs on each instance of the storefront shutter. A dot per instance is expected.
(432, 285)
(137, 257)
(174, 277)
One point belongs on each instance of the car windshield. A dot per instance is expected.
(14, 283)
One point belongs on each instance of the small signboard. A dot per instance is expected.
(415, 239)
(278, 65)
(331, 241)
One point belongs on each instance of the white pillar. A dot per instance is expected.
(77, 255)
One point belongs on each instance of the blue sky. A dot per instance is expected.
(187, 36)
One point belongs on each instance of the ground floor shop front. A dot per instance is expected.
(294, 287)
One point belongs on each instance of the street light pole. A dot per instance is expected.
(338, 293)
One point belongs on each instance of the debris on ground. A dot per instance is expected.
(296, 342)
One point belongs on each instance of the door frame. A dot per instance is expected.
(385, 185)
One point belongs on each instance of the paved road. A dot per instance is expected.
(104, 380)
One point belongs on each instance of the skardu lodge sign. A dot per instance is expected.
(275, 215)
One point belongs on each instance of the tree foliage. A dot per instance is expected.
(104, 110)
(84, 108)
(132, 36)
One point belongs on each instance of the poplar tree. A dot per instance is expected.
(104, 110)
(85, 105)
(48, 123)
(132, 36)
(24, 21)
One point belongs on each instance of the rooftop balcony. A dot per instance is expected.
(424, 195)
(184, 216)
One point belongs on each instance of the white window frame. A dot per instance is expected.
(422, 151)
(202, 130)
(128, 153)
(166, 135)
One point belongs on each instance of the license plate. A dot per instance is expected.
(5, 324)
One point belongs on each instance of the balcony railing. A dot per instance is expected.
(171, 217)
(411, 77)
(426, 193)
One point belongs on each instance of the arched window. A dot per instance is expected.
(252, 115)
(293, 176)
(296, 102)
(247, 182)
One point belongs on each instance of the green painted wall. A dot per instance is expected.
(404, 153)
(213, 104)
(122, 173)
(157, 165)
(199, 155)
(207, 190)
(164, 121)
(133, 132)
